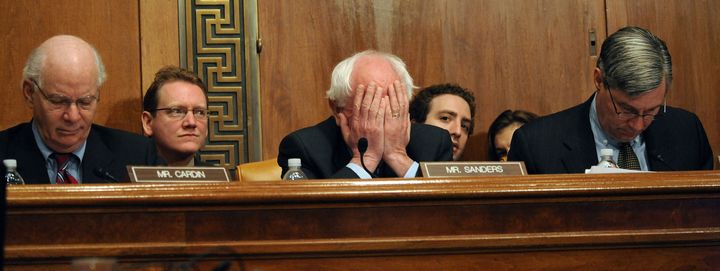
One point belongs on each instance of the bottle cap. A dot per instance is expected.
(604, 152)
(10, 163)
(294, 162)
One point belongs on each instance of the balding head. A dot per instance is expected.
(61, 82)
(68, 55)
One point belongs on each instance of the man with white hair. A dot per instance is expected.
(368, 96)
(61, 145)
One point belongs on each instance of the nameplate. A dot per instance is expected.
(145, 174)
(462, 169)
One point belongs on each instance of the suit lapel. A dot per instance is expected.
(659, 153)
(579, 144)
(97, 155)
(340, 154)
(31, 163)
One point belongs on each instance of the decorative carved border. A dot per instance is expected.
(214, 48)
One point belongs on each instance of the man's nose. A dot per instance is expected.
(189, 120)
(455, 129)
(72, 113)
(637, 124)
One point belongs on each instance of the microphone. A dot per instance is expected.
(362, 147)
(105, 175)
(659, 157)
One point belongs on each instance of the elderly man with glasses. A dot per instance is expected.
(61, 145)
(627, 113)
(175, 116)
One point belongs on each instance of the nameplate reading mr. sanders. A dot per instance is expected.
(143, 174)
(459, 169)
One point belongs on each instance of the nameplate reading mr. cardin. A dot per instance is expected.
(144, 174)
(460, 169)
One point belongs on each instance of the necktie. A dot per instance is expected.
(63, 176)
(627, 158)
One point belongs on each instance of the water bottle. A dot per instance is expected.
(294, 172)
(12, 176)
(606, 159)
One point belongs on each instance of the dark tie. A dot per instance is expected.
(63, 176)
(627, 158)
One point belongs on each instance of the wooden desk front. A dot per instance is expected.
(652, 221)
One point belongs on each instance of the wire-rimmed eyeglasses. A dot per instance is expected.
(58, 101)
(181, 112)
(631, 115)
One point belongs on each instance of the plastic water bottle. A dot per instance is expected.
(12, 176)
(294, 172)
(606, 159)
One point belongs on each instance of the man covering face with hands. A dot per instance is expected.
(368, 96)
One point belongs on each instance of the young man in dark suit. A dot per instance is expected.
(61, 145)
(369, 99)
(627, 113)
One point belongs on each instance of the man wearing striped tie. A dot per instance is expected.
(628, 113)
(61, 145)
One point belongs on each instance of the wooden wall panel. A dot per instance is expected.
(521, 54)
(691, 30)
(159, 43)
(302, 42)
(112, 26)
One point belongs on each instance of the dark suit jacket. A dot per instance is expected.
(324, 153)
(563, 142)
(106, 148)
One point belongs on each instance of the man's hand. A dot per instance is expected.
(367, 120)
(397, 129)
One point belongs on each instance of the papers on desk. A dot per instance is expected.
(604, 170)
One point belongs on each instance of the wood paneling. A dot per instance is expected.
(112, 26)
(691, 30)
(159, 43)
(302, 42)
(519, 54)
(663, 221)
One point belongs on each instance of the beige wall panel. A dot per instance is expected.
(518, 54)
(691, 30)
(159, 44)
(112, 26)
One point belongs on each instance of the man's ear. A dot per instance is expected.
(28, 89)
(597, 78)
(335, 110)
(147, 120)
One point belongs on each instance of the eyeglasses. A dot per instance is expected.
(630, 115)
(181, 112)
(58, 102)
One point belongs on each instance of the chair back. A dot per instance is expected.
(266, 170)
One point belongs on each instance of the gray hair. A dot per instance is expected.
(36, 61)
(340, 87)
(634, 60)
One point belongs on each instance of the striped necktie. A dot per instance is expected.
(63, 176)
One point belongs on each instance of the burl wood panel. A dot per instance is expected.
(662, 221)
(531, 55)
(111, 26)
(691, 30)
